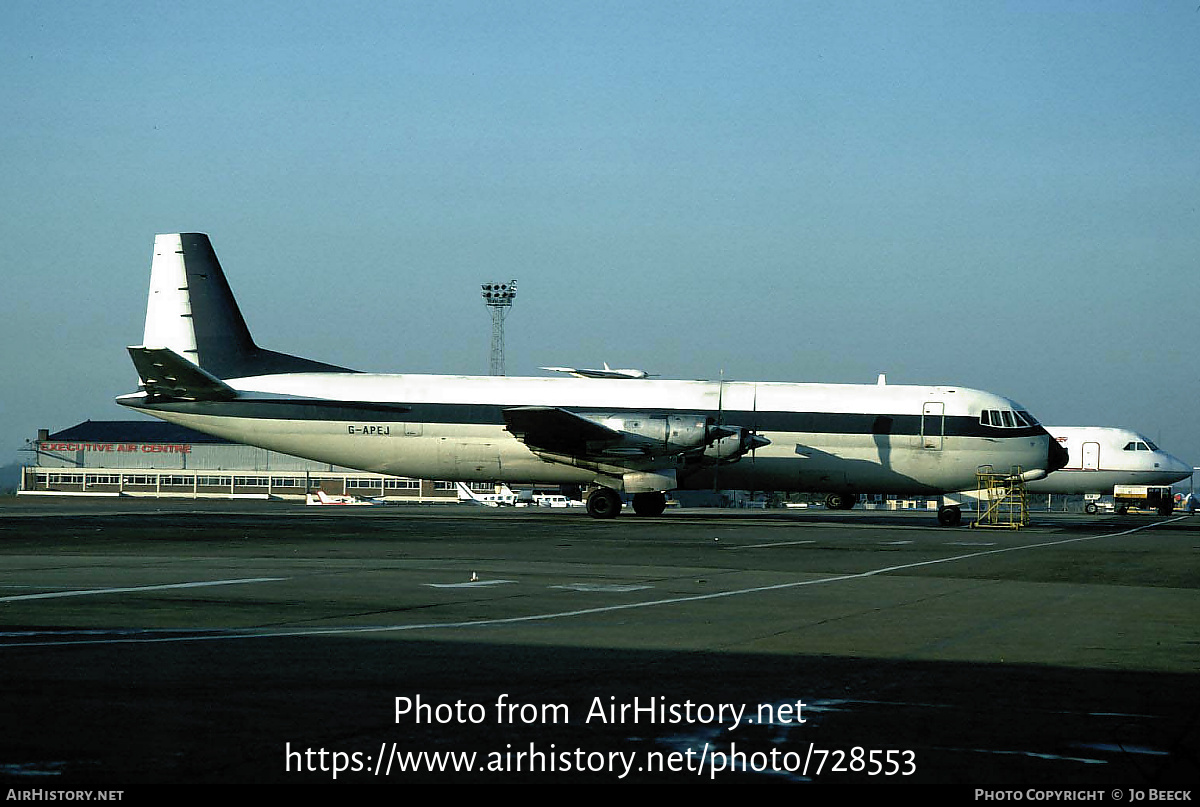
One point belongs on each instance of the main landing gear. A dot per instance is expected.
(603, 503)
(649, 504)
(606, 503)
(841, 501)
(950, 516)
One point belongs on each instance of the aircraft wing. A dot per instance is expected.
(631, 439)
(548, 428)
(166, 374)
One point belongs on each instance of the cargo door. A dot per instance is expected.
(933, 425)
(478, 461)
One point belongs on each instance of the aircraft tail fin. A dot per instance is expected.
(192, 312)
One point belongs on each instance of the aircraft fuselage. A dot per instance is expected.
(823, 437)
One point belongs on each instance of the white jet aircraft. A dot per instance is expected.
(199, 367)
(1102, 457)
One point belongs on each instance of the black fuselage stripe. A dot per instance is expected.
(492, 415)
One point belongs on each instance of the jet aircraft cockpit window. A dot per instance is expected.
(1140, 446)
(1007, 418)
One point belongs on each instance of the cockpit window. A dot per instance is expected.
(1007, 418)
(1138, 445)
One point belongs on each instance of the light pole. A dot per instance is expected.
(499, 299)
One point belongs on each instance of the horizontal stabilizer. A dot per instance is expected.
(166, 374)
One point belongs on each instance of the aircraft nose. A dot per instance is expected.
(1057, 457)
(1179, 465)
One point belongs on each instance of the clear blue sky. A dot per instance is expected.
(997, 195)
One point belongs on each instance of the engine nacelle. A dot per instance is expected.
(738, 440)
(660, 434)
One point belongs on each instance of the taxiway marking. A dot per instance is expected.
(127, 589)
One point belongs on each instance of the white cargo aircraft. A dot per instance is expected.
(1102, 457)
(200, 368)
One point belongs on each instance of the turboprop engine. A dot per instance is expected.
(662, 434)
(737, 441)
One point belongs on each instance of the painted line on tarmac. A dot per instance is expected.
(517, 620)
(125, 590)
(769, 546)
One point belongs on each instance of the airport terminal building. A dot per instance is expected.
(153, 458)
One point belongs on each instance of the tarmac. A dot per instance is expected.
(175, 641)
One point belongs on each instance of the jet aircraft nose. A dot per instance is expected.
(1057, 457)
(1176, 465)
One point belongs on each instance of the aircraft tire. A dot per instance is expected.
(950, 516)
(1091, 509)
(649, 504)
(603, 503)
(841, 501)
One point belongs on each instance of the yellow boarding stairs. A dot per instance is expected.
(1002, 495)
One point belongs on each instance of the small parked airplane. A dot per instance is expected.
(320, 497)
(505, 497)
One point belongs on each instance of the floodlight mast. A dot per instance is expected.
(498, 297)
